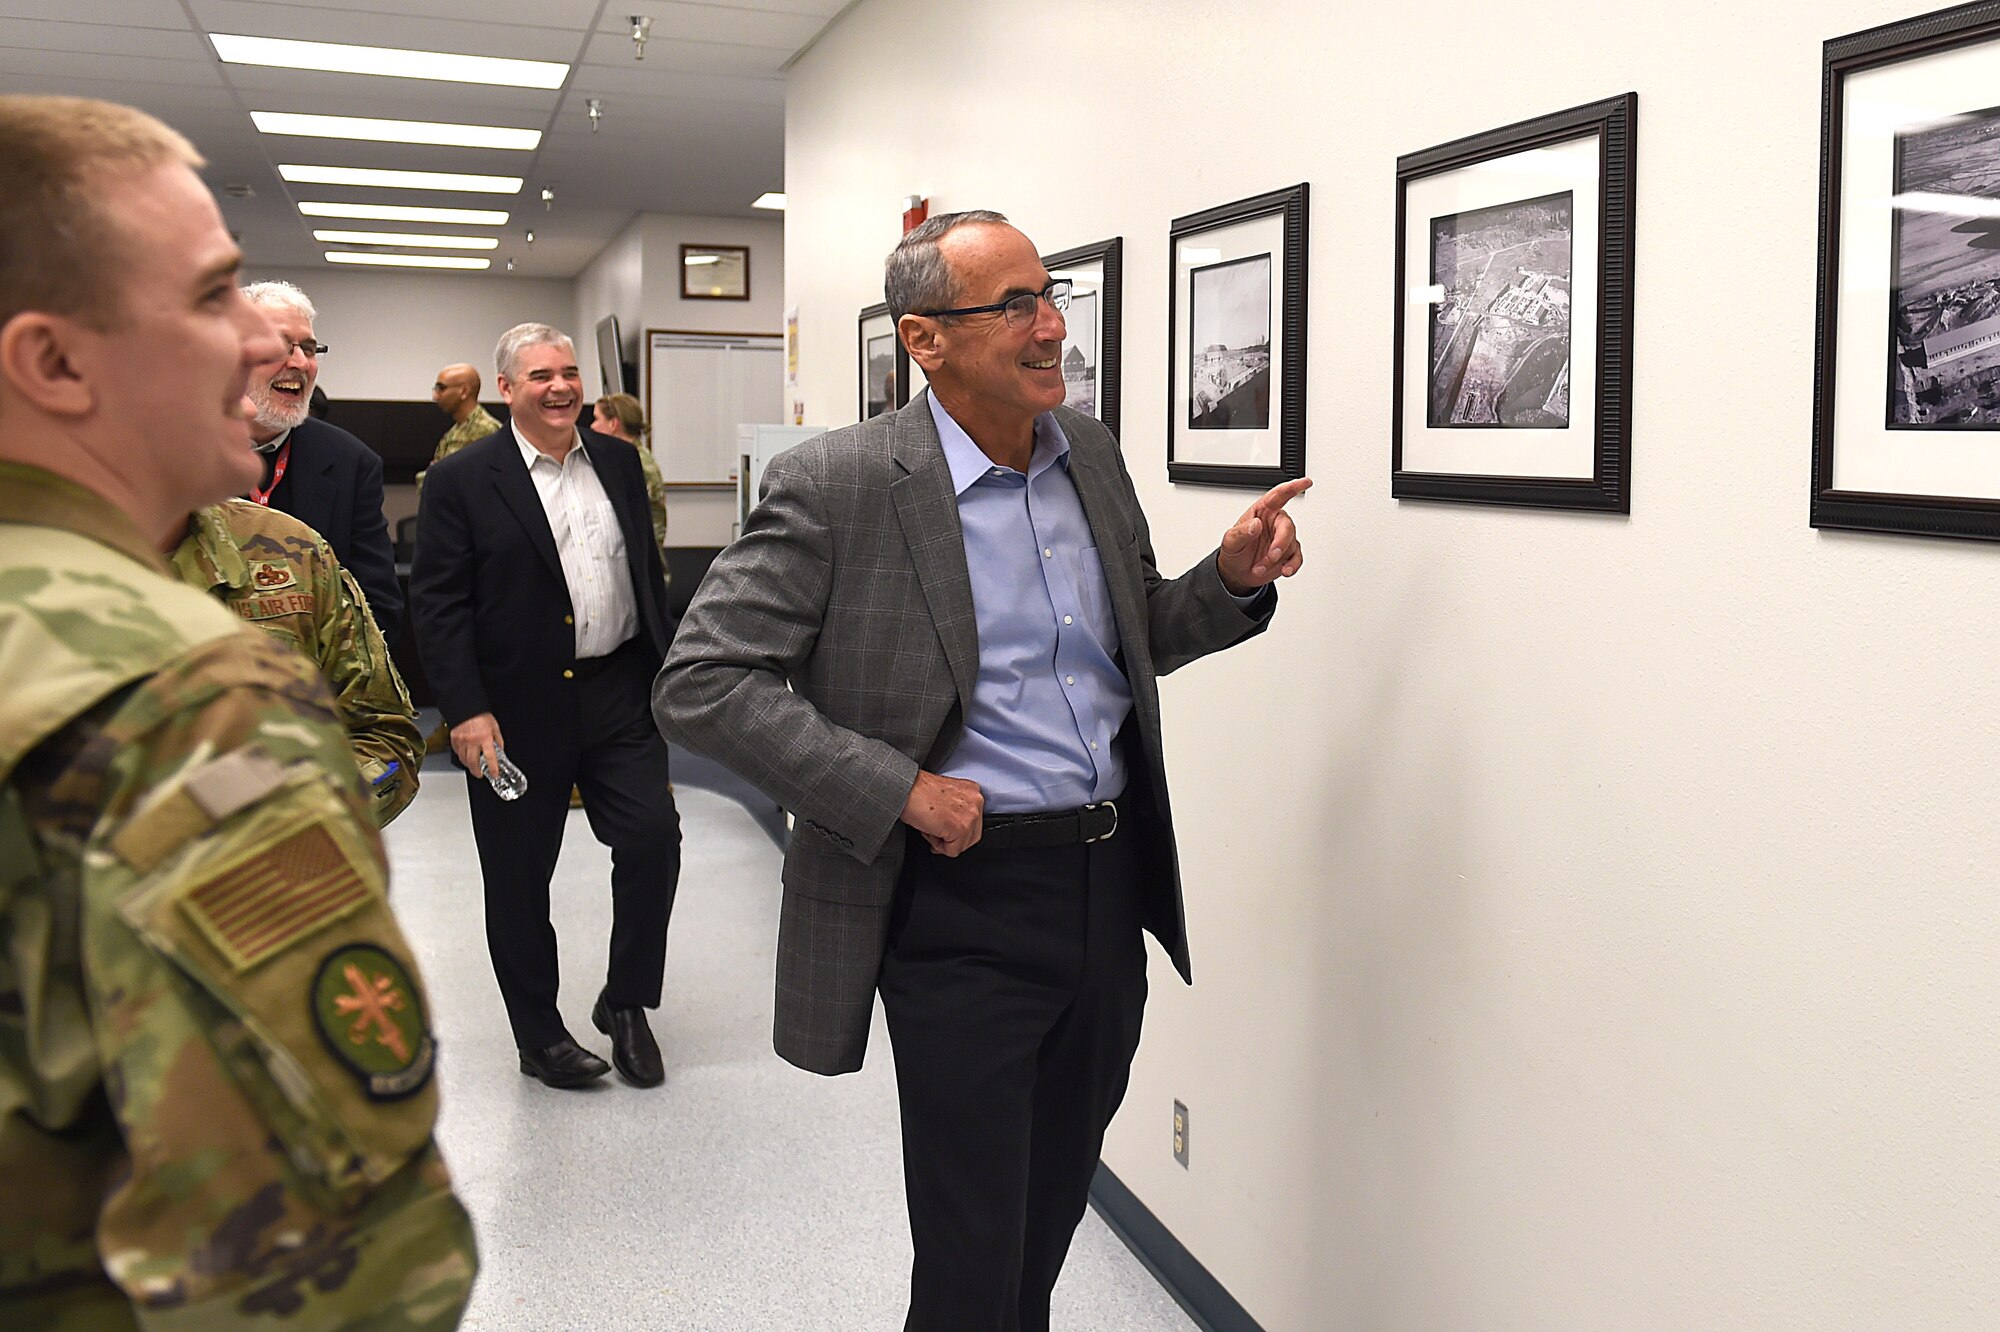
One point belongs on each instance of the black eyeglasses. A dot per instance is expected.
(1020, 310)
(313, 350)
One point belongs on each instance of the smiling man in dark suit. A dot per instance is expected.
(317, 472)
(540, 607)
(936, 643)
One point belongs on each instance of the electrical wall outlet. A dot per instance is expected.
(1180, 1134)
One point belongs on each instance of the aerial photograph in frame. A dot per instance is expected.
(1079, 355)
(881, 374)
(1500, 317)
(1944, 304)
(1229, 345)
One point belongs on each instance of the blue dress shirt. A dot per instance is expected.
(1050, 695)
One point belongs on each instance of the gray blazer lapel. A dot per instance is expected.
(1099, 487)
(927, 508)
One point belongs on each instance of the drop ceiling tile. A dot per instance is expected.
(610, 59)
(330, 24)
(115, 13)
(573, 15)
(714, 23)
(101, 39)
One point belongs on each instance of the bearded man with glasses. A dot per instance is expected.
(936, 643)
(314, 470)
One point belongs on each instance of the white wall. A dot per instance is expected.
(1592, 918)
(390, 333)
(638, 278)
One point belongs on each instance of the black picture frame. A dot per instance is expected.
(1865, 475)
(873, 324)
(1104, 261)
(732, 264)
(1219, 452)
(1422, 464)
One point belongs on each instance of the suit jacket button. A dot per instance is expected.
(569, 619)
(569, 675)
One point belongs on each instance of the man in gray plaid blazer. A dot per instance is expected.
(937, 643)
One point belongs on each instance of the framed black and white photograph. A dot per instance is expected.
(882, 363)
(1906, 391)
(1236, 386)
(1090, 352)
(715, 272)
(1514, 314)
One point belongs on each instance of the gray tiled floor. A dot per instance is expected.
(744, 1194)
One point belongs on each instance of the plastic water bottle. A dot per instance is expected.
(509, 782)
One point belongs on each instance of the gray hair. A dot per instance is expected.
(915, 276)
(523, 336)
(283, 295)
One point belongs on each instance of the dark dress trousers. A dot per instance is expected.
(830, 653)
(333, 484)
(494, 622)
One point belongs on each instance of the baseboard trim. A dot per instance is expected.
(1212, 1308)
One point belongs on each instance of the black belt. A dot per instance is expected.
(1060, 827)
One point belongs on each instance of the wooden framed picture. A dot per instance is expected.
(1094, 319)
(1906, 384)
(884, 373)
(715, 272)
(1236, 362)
(1513, 351)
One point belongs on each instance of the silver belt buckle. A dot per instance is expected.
(1111, 805)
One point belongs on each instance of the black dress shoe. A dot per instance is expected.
(564, 1064)
(633, 1049)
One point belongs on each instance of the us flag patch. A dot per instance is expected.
(278, 894)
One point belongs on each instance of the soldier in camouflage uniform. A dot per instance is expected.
(456, 393)
(216, 1061)
(280, 575)
(621, 417)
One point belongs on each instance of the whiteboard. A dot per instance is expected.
(699, 388)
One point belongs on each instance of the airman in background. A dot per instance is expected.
(620, 416)
(456, 393)
(280, 575)
(216, 1060)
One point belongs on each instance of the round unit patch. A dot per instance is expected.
(367, 1010)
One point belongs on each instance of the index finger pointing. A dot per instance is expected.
(1277, 497)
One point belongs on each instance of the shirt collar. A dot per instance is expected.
(968, 462)
(275, 442)
(529, 452)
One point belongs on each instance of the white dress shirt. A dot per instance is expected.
(590, 544)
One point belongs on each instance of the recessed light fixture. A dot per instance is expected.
(465, 217)
(410, 239)
(396, 131)
(408, 260)
(772, 199)
(463, 181)
(389, 61)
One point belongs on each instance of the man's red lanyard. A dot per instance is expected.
(262, 494)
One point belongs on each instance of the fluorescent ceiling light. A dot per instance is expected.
(466, 217)
(389, 61)
(400, 180)
(396, 131)
(770, 199)
(407, 239)
(692, 259)
(408, 260)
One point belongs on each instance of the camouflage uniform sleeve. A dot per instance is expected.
(381, 721)
(264, 1036)
(656, 499)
